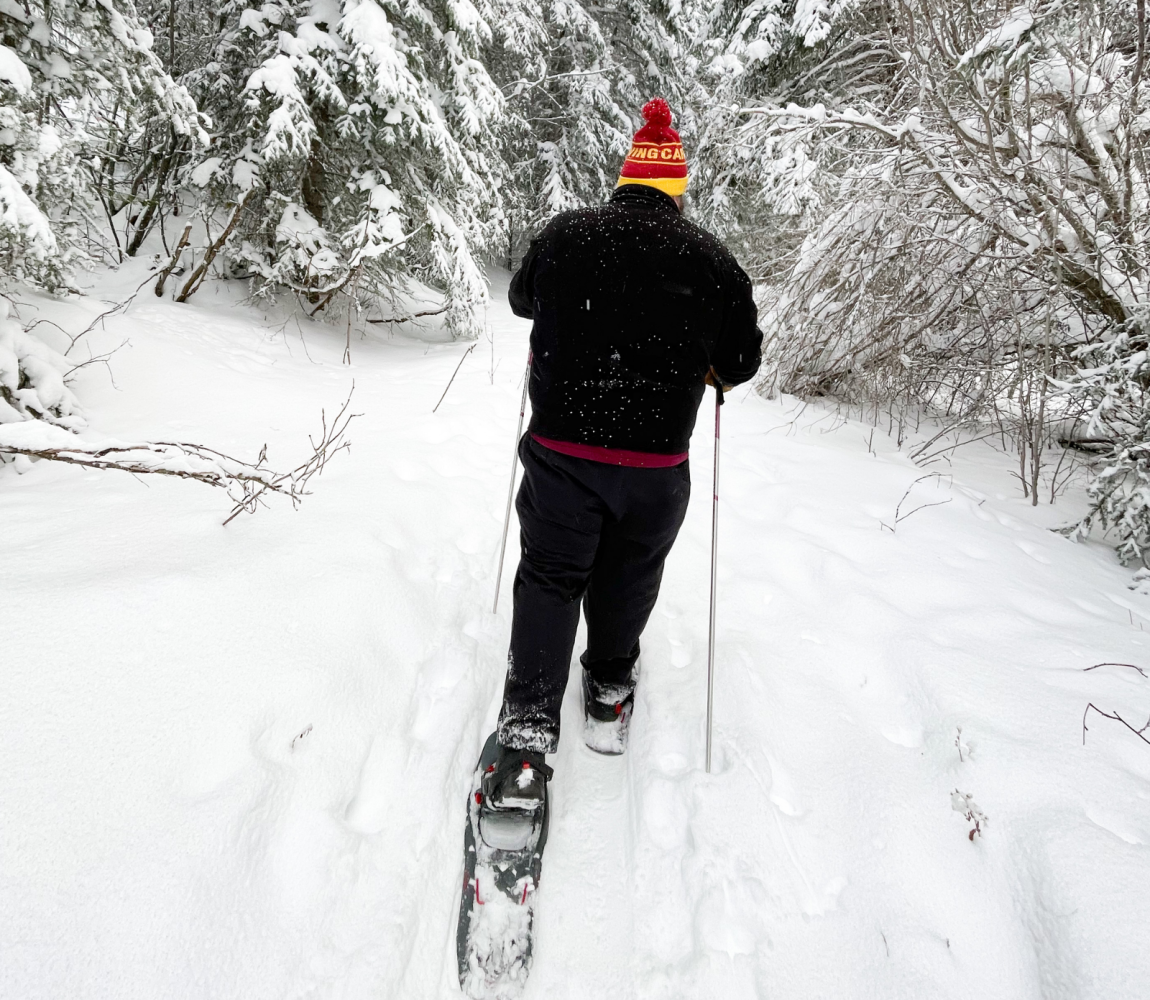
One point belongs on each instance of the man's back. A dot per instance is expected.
(632, 305)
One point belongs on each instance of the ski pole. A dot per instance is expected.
(511, 486)
(714, 568)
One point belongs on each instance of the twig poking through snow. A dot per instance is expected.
(963, 802)
(300, 735)
(1115, 716)
(98, 359)
(294, 483)
(119, 307)
(1140, 733)
(453, 374)
(963, 749)
(899, 516)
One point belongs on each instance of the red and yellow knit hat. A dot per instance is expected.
(656, 157)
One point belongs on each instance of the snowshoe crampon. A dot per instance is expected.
(503, 856)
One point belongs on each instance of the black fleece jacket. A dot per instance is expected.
(632, 304)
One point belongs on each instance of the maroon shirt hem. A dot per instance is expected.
(612, 456)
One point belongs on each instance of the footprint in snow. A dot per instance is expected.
(665, 815)
(784, 795)
(368, 809)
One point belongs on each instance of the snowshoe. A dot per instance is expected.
(607, 711)
(507, 814)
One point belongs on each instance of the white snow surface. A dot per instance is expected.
(234, 762)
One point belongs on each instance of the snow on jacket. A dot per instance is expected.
(632, 304)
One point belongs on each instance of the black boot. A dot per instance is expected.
(607, 711)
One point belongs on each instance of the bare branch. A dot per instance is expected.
(453, 374)
(1140, 733)
(407, 319)
(172, 264)
(899, 516)
(295, 483)
(1130, 665)
(198, 275)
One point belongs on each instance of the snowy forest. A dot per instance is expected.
(218, 219)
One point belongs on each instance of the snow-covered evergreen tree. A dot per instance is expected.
(361, 135)
(575, 75)
(82, 94)
(82, 98)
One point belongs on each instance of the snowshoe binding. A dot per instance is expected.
(607, 711)
(507, 813)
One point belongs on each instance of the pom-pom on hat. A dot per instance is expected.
(656, 157)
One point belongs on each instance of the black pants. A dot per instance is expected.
(592, 532)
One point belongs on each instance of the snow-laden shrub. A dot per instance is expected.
(990, 205)
(1114, 378)
(758, 192)
(1120, 500)
(411, 140)
(972, 211)
(32, 379)
(28, 247)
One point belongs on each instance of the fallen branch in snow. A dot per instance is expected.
(161, 458)
(405, 319)
(246, 483)
(1130, 665)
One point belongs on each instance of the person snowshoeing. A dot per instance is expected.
(635, 310)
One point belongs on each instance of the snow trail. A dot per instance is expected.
(236, 759)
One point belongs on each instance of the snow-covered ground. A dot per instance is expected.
(233, 761)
